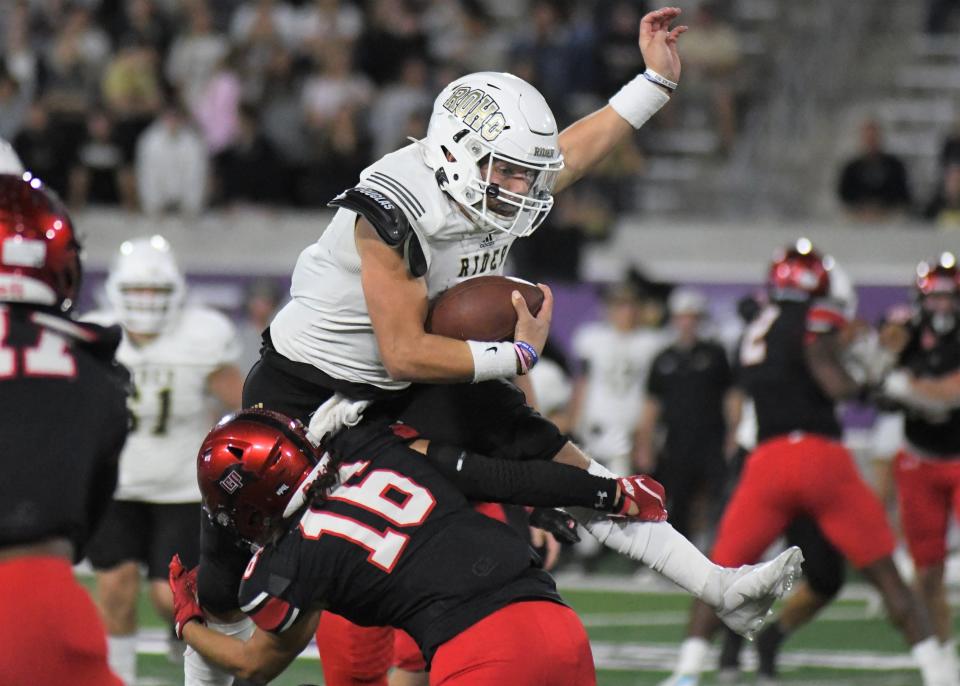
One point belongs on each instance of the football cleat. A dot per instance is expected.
(750, 591)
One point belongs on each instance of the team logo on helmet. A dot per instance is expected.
(231, 482)
(477, 110)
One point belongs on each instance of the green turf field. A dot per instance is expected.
(635, 636)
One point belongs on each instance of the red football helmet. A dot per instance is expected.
(250, 467)
(39, 251)
(798, 271)
(938, 276)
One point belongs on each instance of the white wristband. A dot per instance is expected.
(638, 100)
(493, 360)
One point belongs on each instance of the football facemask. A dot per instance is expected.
(145, 286)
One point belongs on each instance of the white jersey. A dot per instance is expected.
(618, 363)
(326, 323)
(171, 409)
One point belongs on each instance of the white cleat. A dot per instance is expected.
(750, 591)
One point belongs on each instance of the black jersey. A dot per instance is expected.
(773, 369)
(63, 402)
(929, 354)
(394, 545)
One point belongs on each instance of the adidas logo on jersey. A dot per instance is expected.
(477, 110)
(487, 241)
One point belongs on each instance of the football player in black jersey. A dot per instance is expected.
(927, 469)
(386, 540)
(791, 366)
(63, 400)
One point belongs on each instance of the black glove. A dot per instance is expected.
(556, 522)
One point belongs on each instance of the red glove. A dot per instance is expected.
(642, 497)
(183, 583)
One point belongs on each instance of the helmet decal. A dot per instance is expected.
(477, 110)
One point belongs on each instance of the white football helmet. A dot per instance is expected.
(489, 117)
(145, 286)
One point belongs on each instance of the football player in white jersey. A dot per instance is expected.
(439, 211)
(182, 360)
(615, 356)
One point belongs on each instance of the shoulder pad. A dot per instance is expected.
(381, 211)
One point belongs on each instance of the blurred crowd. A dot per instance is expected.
(176, 105)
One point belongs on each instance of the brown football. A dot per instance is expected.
(480, 309)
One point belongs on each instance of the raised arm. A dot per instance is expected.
(587, 141)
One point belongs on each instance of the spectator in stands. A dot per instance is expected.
(282, 117)
(19, 53)
(141, 22)
(73, 64)
(396, 103)
(554, 55)
(43, 149)
(259, 21)
(195, 55)
(248, 170)
(322, 21)
(339, 150)
(484, 46)
(216, 109)
(950, 152)
(941, 15)
(101, 175)
(333, 86)
(393, 35)
(14, 103)
(131, 92)
(944, 208)
(171, 165)
(710, 70)
(873, 185)
(619, 60)
(690, 399)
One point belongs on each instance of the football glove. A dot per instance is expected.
(183, 583)
(557, 522)
(642, 497)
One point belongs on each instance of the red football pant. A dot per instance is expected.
(927, 491)
(51, 632)
(798, 475)
(534, 643)
(406, 653)
(353, 655)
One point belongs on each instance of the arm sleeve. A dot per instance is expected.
(541, 483)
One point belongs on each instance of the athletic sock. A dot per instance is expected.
(768, 647)
(933, 662)
(122, 657)
(693, 655)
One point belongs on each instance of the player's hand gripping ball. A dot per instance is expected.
(481, 309)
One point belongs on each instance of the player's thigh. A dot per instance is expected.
(848, 512)
(757, 513)
(174, 530)
(406, 656)
(535, 643)
(273, 389)
(353, 655)
(58, 637)
(122, 535)
(491, 417)
(925, 495)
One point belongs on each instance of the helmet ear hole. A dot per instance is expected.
(235, 451)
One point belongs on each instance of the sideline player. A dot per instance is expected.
(927, 469)
(63, 399)
(181, 358)
(791, 366)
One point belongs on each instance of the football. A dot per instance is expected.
(480, 309)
